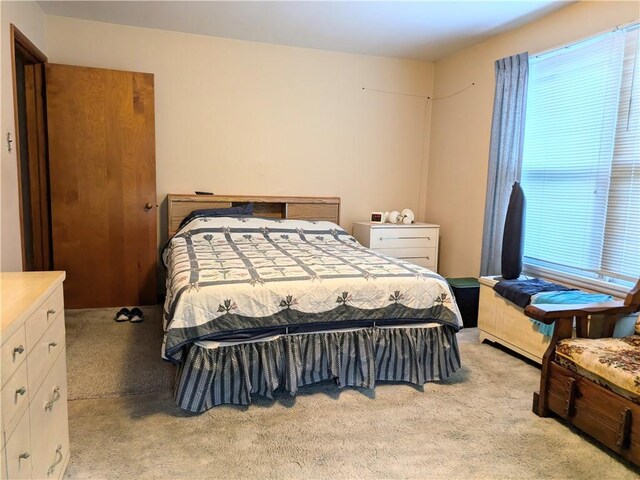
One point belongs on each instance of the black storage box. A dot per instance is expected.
(467, 293)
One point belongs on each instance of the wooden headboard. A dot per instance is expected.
(302, 208)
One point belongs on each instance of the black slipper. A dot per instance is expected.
(123, 315)
(136, 315)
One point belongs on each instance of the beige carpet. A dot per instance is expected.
(477, 425)
(108, 359)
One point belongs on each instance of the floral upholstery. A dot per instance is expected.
(611, 362)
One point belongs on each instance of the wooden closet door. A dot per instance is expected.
(103, 184)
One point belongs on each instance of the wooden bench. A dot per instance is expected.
(602, 408)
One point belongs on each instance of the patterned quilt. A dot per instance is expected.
(244, 274)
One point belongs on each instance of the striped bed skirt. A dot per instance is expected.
(231, 374)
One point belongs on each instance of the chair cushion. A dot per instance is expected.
(611, 362)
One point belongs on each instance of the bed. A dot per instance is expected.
(287, 298)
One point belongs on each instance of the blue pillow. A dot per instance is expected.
(237, 211)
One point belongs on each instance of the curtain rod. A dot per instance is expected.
(625, 26)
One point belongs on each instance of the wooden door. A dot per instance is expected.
(31, 145)
(103, 184)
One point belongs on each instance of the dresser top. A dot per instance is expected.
(22, 292)
(396, 225)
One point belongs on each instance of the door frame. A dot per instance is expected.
(36, 131)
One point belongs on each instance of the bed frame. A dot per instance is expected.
(300, 208)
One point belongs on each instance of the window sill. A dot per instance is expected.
(588, 284)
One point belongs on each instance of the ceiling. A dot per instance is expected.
(423, 30)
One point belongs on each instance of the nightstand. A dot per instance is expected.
(416, 243)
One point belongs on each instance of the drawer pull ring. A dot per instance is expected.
(53, 344)
(59, 458)
(24, 455)
(21, 391)
(56, 397)
(18, 350)
(51, 311)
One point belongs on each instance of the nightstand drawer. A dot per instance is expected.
(429, 253)
(40, 320)
(14, 351)
(403, 237)
(422, 262)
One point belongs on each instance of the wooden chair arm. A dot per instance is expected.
(549, 313)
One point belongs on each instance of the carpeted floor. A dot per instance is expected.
(109, 359)
(476, 425)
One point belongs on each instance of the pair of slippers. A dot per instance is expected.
(134, 315)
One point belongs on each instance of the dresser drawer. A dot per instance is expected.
(49, 463)
(403, 237)
(14, 351)
(15, 399)
(49, 428)
(44, 353)
(40, 320)
(18, 450)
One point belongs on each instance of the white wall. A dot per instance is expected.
(460, 125)
(30, 20)
(236, 117)
(248, 118)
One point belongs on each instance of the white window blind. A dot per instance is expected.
(621, 252)
(581, 158)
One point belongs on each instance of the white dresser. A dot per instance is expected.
(416, 243)
(35, 429)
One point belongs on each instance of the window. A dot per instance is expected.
(581, 159)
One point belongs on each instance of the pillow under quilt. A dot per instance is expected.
(240, 210)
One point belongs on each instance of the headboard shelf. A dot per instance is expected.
(301, 208)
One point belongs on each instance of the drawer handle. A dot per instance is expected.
(56, 397)
(24, 455)
(18, 350)
(53, 344)
(59, 458)
(21, 391)
(51, 311)
(402, 238)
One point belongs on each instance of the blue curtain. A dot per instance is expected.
(505, 153)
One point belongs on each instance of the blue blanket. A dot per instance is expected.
(572, 297)
(520, 291)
